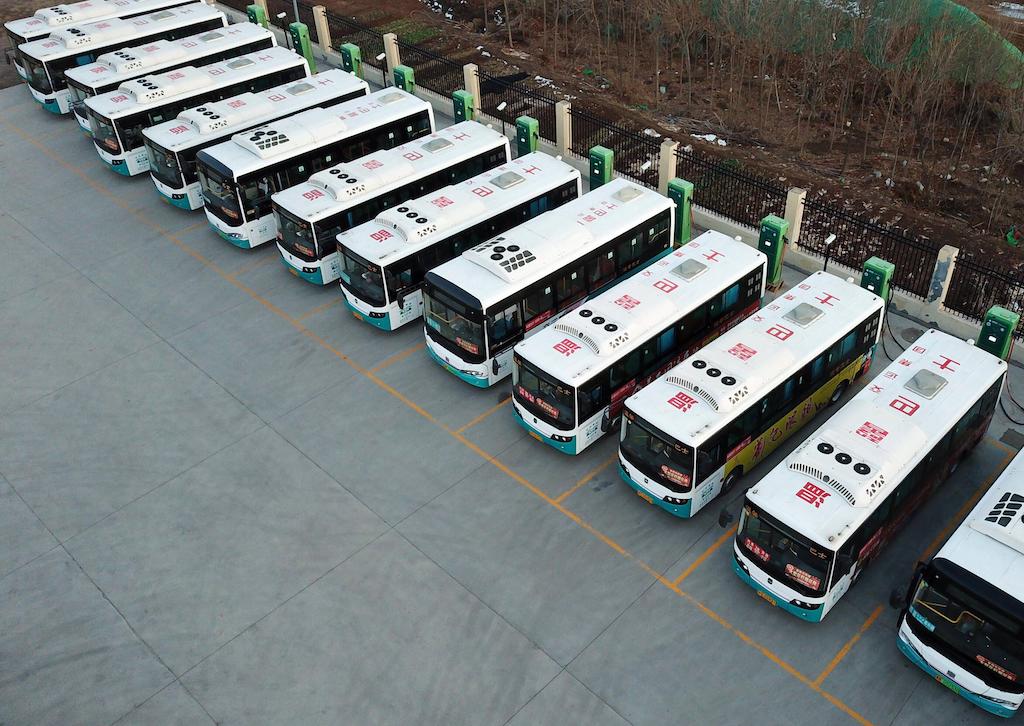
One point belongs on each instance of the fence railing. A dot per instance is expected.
(719, 184)
(976, 285)
(857, 239)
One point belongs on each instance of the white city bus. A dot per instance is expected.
(477, 306)
(814, 522)
(46, 60)
(384, 261)
(569, 381)
(117, 118)
(311, 215)
(689, 435)
(47, 20)
(172, 145)
(112, 69)
(963, 617)
(239, 176)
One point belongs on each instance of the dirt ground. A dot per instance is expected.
(12, 10)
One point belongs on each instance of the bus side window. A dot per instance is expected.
(504, 325)
(571, 285)
(600, 269)
(849, 343)
(538, 302)
(818, 368)
(667, 342)
(591, 396)
(84, 59)
(629, 249)
(709, 458)
(730, 298)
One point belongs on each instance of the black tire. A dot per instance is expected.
(838, 393)
(730, 481)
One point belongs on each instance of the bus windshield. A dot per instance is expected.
(544, 396)
(296, 236)
(219, 193)
(103, 132)
(452, 321)
(792, 560)
(37, 76)
(361, 278)
(78, 94)
(989, 644)
(163, 165)
(667, 461)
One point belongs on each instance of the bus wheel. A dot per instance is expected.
(730, 480)
(838, 393)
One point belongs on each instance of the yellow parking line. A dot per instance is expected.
(458, 436)
(253, 265)
(586, 477)
(849, 644)
(320, 308)
(397, 357)
(482, 416)
(729, 533)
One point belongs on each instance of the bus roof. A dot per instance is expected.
(46, 20)
(70, 41)
(758, 354)
(641, 306)
(282, 139)
(342, 186)
(194, 126)
(131, 62)
(437, 215)
(549, 241)
(159, 88)
(887, 428)
(990, 540)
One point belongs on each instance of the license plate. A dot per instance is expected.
(645, 496)
(535, 435)
(768, 598)
(357, 316)
(293, 271)
(948, 684)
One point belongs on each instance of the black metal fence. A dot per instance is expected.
(719, 185)
(976, 286)
(857, 239)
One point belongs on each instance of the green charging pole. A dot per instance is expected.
(877, 276)
(405, 78)
(680, 191)
(302, 44)
(352, 59)
(257, 15)
(462, 105)
(771, 241)
(997, 331)
(602, 163)
(527, 135)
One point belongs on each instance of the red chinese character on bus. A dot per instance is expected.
(442, 202)
(871, 432)
(566, 347)
(532, 170)
(276, 97)
(904, 361)
(681, 401)
(875, 388)
(176, 75)
(742, 351)
(373, 164)
(826, 299)
(918, 349)
(713, 256)
(98, 69)
(152, 48)
(188, 44)
(627, 302)
(482, 191)
(813, 494)
(179, 129)
(665, 285)
(216, 71)
(904, 405)
(946, 364)
(459, 136)
(121, 98)
(412, 155)
(804, 286)
(380, 235)
(313, 194)
(788, 296)
(779, 331)
(589, 218)
(889, 374)
(237, 103)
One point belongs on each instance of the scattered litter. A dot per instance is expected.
(652, 133)
(889, 183)
(710, 138)
(543, 82)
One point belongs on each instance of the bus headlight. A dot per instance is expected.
(674, 500)
(309, 270)
(562, 439)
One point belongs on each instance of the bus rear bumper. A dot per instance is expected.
(566, 447)
(981, 702)
(471, 380)
(676, 510)
(811, 615)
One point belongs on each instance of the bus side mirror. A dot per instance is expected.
(897, 599)
(725, 518)
(401, 301)
(606, 422)
(494, 366)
